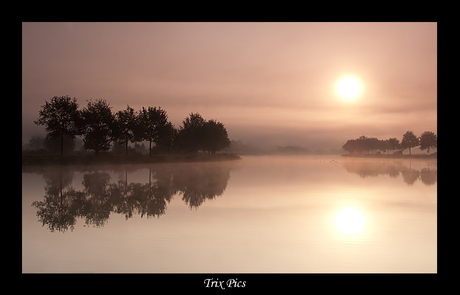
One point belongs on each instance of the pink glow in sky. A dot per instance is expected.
(271, 83)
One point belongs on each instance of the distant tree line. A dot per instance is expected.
(101, 128)
(409, 140)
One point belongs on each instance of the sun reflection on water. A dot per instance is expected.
(350, 220)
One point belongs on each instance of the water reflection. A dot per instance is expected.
(350, 220)
(101, 195)
(427, 175)
(276, 214)
(63, 204)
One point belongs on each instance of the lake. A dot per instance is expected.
(263, 214)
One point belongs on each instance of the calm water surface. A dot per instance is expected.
(261, 214)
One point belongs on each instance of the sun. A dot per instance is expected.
(349, 87)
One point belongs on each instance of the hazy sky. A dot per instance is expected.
(271, 83)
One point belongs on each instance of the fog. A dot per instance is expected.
(269, 83)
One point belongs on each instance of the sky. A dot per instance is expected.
(268, 83)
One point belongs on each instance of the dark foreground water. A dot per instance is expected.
(260, 214)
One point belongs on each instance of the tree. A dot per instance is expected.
(126, 127)
(383, 146)
(98, 122)
(358, 145)
(60, 116)
(363, 144)
(52, 142)
(215, 136)
(428, 140)
(409, 141)
(366, 144)
(350, 146)
(166, 136)
(190, 135)
(393, 144)
(153, 122)
(373, 144)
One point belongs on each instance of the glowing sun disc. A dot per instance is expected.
(349, 87)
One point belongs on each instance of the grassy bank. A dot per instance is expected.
(392, 156)
(108, 158)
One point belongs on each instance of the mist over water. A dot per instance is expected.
(259, 214)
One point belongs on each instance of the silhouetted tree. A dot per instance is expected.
(409, 141)
(126, 127)
(52, 142)
(428, 140)
(166, 136)
(98, 122)
(99, 127)
(350, 146)
(373, 144)
(361, 145)
(393, 144)
(215, 136)
(366, 144)
(383, 145)
(190, 135)
(60, 116)
(198, 134)
(153, 122)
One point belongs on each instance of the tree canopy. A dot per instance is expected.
(155, 127)
(100, 127)
(190, 135)
(215, 136)
(126, 127)
(409, 140)
(60, 117)
(198, 134)
(98, 124)
(428, 140)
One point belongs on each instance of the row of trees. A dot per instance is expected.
(100, 127)
(409, 140)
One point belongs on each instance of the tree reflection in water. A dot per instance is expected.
(57, 210)
(428, 176)
(195, 183)
(62, 204)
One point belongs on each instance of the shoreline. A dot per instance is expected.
(91, 159)
(391, 156)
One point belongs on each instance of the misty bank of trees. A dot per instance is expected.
(101, 128)
(409, 140)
